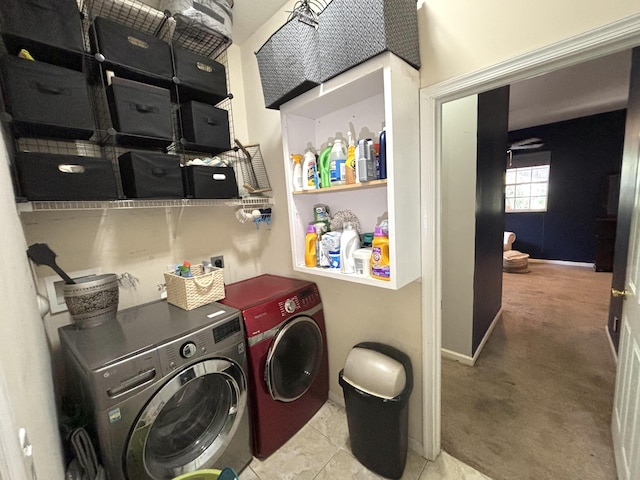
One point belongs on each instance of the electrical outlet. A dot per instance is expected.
(218, 261)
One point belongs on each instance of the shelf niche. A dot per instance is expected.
(381, 92)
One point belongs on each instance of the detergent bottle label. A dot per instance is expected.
(378, 267)
(311, 176)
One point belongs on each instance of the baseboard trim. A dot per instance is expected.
(466, 359)
(487, 335)
(614, 354)
(562, 262)
(336, 398)
(458, 357)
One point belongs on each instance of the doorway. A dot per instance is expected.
(606, 40)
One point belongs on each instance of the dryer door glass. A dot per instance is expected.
(294, 359)
(188, 423)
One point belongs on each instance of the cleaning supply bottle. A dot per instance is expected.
(383, 154)
(349, 243)
(337, 158)
(324, 166)
(309, 171)
(380, 267)
(361, 160)
(296, 176)
(350, 164)
(310, 253)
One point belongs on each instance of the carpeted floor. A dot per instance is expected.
(537, 404)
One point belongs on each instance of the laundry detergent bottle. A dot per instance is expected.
(309, 171)
(337, 159)
(310, 252)
(380, 267)
(324, 166)
(349, 243)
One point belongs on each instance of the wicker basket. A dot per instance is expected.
(193, 292)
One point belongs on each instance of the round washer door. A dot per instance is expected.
(294, 359)
(189, 422)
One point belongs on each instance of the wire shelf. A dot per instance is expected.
(41, 206)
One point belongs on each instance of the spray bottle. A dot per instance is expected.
(296, 176)
(350, 164)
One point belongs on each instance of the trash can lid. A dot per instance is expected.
(374, 373)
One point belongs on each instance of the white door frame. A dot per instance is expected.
(611, 38)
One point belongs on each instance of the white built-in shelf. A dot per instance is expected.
(381, 92)
(341, 188)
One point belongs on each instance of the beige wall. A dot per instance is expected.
(461, 36)
(458, 183)
(24, 355)
(353, 313)
(457, 37)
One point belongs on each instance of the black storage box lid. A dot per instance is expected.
(46, 100)
(51, 30)
(132, 54)
(210, 182)
(151, 175)
(44, 176)
(140, 113)
(205, 127)
(199, 78)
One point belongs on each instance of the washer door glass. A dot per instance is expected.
(294, 359)
(189, 422)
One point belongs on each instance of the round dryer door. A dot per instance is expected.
(294, 359)
(189, 422)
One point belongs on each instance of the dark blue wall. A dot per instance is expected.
(584, 152)
(493, 123)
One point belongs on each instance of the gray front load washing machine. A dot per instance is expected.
(165, 389)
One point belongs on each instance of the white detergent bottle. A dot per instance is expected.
(309, 171)
(349, 243)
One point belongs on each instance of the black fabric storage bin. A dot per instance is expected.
(51, 30)
(140, 112)
(210, 182)
(46, 100)
(150, 175)
(43, 176)
(289, 63)
(199, 78)
(132, 54)
(205, 127)
(351, 32)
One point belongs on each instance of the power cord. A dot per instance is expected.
(86, 455)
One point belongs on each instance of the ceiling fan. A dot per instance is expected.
(527, 144)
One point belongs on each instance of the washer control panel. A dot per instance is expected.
(290, 305)
(302, 300)
(188, 350)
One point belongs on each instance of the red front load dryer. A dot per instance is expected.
(287, 355)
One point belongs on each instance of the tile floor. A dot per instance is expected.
(320, 451)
